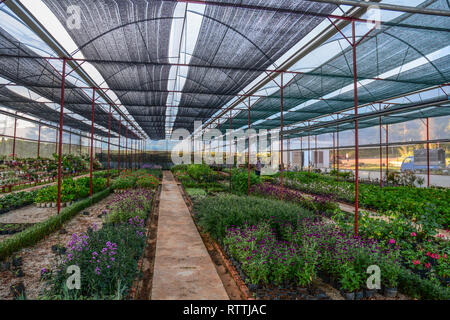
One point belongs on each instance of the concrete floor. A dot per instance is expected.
(183, 268)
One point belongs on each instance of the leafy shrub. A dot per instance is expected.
(415, 287)
(201, 173)
(239, 180)
(122, 183)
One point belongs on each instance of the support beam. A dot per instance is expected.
(389, 7)
(428, 153)
(355, 94)
(118, 158)
(39, 141)
(14, 139)
(92, 144)
(109, 141)
(281, 133)
(61, 118)
(248, 149)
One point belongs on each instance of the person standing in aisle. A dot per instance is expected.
(258, 167)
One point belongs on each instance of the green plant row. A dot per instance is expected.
(40, 230)
(215, 214)
(415, 203)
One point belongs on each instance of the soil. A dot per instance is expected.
(143, 288)
(28, 214)
(41, 256)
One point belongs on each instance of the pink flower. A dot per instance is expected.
(416, 262)
(392, 241)
(428, 265)
(413, 234)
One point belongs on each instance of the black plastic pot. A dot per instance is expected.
(349, 295)
(359, 295)
(390, 292)
(369, 293)
(18, 290)
(17, 262)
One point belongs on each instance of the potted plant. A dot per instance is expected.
(390, 271)
(350, 281)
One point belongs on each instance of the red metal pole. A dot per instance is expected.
(109, 140)
(61, 118)
(231, 150)
(281, 131)
(337, 148)
(381, 156)
(70, 140)
(92, 143)
(334, 152)
(39, 141)
(56, 140)
(309, 149)
(14, 139)
(301, 153)
(118, 160)
(355, 91)
(387, 150)
(315, 152)
(248, 151)
(428, 153)
(126, 150)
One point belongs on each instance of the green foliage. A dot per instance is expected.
(179, 167)
(350, 278)
(71, 189)
(16, 200)
(239, 180)
(201, 173)
(217, 213)
(415, 287)
(415, 203)
(147, 181)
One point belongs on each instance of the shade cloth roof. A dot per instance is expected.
(385, 49)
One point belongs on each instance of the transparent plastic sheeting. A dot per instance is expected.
(18, 103)
(383, 50)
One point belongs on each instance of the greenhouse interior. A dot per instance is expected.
(225, 150)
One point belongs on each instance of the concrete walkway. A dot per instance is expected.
(183, 268)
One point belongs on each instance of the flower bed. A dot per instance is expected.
(132, 203)
(108, 258)
(278, 244)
